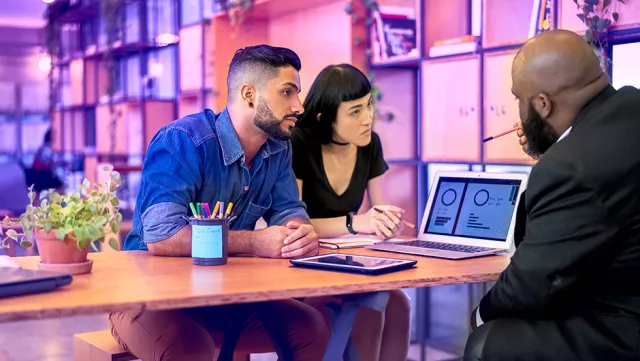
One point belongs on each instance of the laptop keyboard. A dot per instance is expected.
(446, 247)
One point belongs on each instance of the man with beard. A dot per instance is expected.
(241, 155)
(571, 290)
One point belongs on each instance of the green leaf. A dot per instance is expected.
(25, 244)
(113, 243)
(115, 227)
(61, 233)
(47, 227)
(11, 233)
(615, 17)
(83, 243)
(6, 221)
(119, 217)
(99, 221)
(115, 202)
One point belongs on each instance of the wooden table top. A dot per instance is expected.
(135, 280)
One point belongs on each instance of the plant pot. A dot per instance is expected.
(61, 255)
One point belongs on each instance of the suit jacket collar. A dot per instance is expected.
(594, 104)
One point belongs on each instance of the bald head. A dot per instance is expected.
(555, 75)
(554, 62)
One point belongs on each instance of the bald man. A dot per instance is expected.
(572, 290)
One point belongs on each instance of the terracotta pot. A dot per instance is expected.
(61, 255)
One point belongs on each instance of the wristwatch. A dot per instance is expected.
(350, 222)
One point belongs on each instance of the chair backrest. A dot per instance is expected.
(13, 187)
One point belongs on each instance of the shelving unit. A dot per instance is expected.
(444, 107)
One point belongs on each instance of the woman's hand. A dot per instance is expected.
(384, 221)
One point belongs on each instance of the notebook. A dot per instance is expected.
(349, 241)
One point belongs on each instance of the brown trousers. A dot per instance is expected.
(193, 334)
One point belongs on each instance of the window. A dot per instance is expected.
(161, 19)
(624, 60)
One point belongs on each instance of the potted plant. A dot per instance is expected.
(598, 17)
(64, 226)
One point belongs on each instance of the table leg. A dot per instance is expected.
(340, 343)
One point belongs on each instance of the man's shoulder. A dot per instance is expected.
(199, 127)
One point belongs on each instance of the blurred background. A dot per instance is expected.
(89, 82)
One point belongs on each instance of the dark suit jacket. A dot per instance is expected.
(580, 255)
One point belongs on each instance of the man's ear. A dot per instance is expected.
(318, 116)
(248, 94)
(543, 105)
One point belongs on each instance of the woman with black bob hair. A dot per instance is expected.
(337, 159)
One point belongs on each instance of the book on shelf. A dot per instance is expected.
(394, 35)
(458, 45)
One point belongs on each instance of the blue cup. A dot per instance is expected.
(209, 241)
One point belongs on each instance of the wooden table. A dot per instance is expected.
(135, 280)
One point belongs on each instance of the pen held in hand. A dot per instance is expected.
(500, 134)
(408, 224)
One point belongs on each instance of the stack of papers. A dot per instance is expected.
(350, 241)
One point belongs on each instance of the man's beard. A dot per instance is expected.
(266, 121)
(540, 135)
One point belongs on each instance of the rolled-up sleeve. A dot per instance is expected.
(171, 176)
(286, 203)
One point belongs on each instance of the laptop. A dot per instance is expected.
(16, 281)
(468, 214)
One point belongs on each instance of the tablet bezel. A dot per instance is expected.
(400, 263)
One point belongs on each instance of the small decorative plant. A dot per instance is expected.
(83, 216)
(598, 18)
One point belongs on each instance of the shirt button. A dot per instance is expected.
(246, 188)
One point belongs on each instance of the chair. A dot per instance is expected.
(14, 195)
(101, 346)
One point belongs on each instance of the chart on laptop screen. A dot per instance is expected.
(475, 208)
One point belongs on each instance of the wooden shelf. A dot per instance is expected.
(398, 135)
(441, 25)
(450, 112)
(506, 22)
(133, 133)
(269, 9)
(501, 111)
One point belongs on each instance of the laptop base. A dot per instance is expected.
(429, 252)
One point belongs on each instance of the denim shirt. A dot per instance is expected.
(199, 158)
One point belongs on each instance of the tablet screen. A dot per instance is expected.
(353, 261)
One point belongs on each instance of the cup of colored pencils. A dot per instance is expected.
(210, 233)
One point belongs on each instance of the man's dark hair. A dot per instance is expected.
(258, 64)
(335, 84)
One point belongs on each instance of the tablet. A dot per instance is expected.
(354, 263)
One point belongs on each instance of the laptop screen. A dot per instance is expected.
(473, 207)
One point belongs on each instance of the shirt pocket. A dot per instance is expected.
(254, 213)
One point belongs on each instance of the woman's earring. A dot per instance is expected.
(250, 104)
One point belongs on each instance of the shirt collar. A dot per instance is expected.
(230, 143)
(564, 135)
